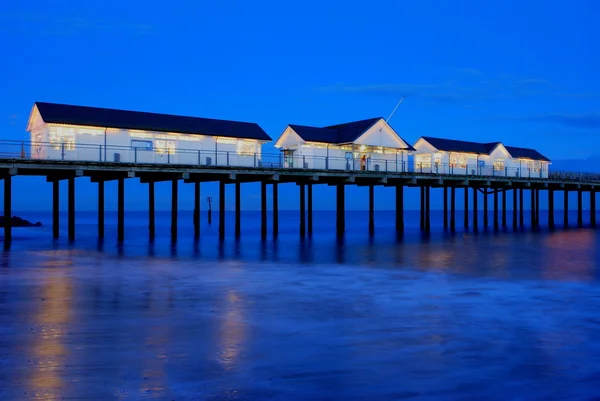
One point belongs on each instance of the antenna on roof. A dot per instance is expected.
(395, 108)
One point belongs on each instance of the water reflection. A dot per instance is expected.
(232, 331)
(51, 318)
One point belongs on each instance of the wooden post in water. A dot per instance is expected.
(174, 209)
(310, 208)
(275, 210)
(422, 219)
(566, 209)
(221, 210)
(302, 210)
(496, 225)
(100, 209)
(399, 208)
(466, 207)
(71, 210)
(452, 209)
(515, 209)
(485, 208)
(371, 209)
(151, 211)
(537, 208)
(427, 208)
(340, 216)
(121, 209)
(579, 207)
(445, 208)
(196, 209)
(521, 208)
(551, 209)
(532, 193)
(55, 208)
(238, 209)
(7, 211)
(263, 210)
(593, 208)
(475, 216)
(504, 208)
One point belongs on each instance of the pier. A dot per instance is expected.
(501, 189)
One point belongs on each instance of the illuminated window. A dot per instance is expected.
(423, 160)
(62, 135)
(458, 161)
(164, 147)
(499, 164)
(245, 148)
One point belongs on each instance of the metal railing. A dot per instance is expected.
(214, 157)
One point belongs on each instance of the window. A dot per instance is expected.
(457, 160)
(423, 160)
(245, 148)
(164, 147)
(499, 164)
(62, 135)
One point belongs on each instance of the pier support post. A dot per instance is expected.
(537, 208)
(174, 209)
(466, 207)
(399, 208)
(566, 209)
(485, 208)
(521, 208)
(475, 216)
(238, 208)
(221, 210)
(100, 209)
(7, 211)
(422, 219)
(496, 223)
(121, 209)
(504, 208)
(196, 209)
(71, 205)
(302, 210)
(593, 208)
(515, 209)
(452, 209)
(340, 216)
(551, 209)
(151, 211)
(263, 210)
(427, 208)
(532, 193)
(371, 209)
(275, 210)
(579, 207)
(445, 208)
(310, 208)
(55, 208)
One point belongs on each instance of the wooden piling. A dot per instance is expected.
(71, 208)
(151, 211)
(174, 208)
(121, 209)
(101, 209)
(55, 208)
(371, 209)
(221, 210)
(275, 210)
(340, 212)
(399, 208)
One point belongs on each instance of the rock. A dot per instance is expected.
(19, 222)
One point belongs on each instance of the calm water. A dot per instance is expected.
(487, 316)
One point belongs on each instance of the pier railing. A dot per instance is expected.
(68, 151)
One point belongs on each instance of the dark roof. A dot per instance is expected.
(339, 133)
(451, 145)
(124, 119)
(526, 153)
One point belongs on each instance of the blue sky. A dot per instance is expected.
(524, 73)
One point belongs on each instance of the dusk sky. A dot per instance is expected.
(524, 73)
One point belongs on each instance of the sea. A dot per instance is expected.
(487, 315)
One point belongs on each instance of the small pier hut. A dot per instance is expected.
(81, 133)
(371, 145)
(449, 156)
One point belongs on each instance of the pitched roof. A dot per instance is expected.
(526, 153)
(124, 119)
(339, 133)
(452, 145)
